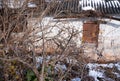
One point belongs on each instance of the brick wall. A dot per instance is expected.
(90, 32)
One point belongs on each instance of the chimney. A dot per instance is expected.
(90, 32)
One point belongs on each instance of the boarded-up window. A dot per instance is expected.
(90, 32)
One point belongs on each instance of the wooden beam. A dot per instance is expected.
(111, 17)
(85, 14)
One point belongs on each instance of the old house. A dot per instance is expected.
(98, 19)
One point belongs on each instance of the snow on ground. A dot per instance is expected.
(106, 72)
(95, 70)
(59, 66)
(96, 74)
(76, 79)
(31, 5)
(110, 37)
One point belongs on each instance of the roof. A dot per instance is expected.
(13, 4)
(73, 8)
(79, 6)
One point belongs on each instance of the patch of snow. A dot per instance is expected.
(32, 5)
(71, 61)
(15, 3)
(76, 79)
(96, 74)
(118, 66)
(48, 58)
(88, 8)
(107, 65)
(94, 65)
(60, 67)
(117, 74)
(39, 61)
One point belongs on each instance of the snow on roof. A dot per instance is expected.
(88, 8)
(15, 3)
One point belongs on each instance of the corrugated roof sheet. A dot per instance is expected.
(77, 6)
